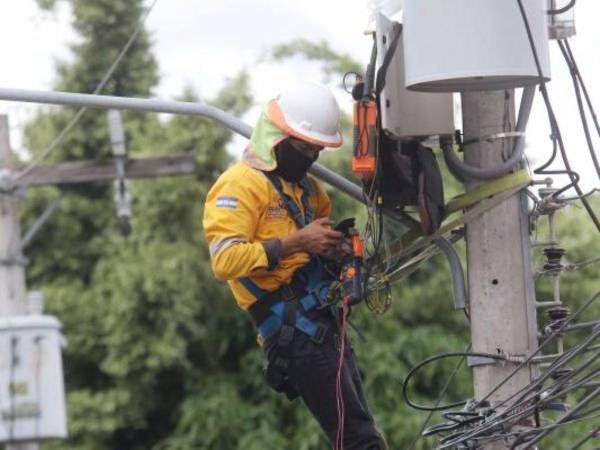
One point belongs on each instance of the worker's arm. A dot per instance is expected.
(318, 237)
(231, 215)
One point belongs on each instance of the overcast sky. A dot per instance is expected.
(200, 43)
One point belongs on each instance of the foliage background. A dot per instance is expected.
(158, 356)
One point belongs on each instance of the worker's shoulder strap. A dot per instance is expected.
(294, 210)
(300, 219)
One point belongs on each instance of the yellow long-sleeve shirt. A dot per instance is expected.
(242, 211)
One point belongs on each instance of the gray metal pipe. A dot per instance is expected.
(136, 104)
(462, 170)
(456, 272)
(170, 107)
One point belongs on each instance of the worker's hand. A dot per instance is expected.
(316, 238)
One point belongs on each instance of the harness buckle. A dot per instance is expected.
(287, 293)
(286, 335)
(320, 333)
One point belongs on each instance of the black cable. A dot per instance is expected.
(438, 401)
(492, 424)
(437, 358)
(554, 124)
(542, 345)
(571, 412)
(557, 364)
(583, 88)
(508, 414)
(586, 438)
(533, 434)
(584, 124)
(565, 8)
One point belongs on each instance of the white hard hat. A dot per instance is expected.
(308, 111)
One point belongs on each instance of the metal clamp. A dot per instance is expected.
(473, 361)
(495, 136)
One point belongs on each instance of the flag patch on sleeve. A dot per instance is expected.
(227, 202)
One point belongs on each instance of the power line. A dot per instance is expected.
(46, 151)
(557, 137)
(439, 400)
(565, 8)
(524, 407)
(576, 84)
(528, 397)
(583, 88)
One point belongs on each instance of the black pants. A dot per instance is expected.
(312, 371)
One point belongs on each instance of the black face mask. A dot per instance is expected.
(292, 165)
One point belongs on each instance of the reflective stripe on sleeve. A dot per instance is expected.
(223, 244)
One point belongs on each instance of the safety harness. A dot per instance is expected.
(285, 308)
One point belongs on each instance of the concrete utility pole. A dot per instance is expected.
(501, 290)
(13, 293)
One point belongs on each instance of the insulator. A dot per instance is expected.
(558, 313)
(554, 256)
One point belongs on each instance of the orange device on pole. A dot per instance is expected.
(364, 138)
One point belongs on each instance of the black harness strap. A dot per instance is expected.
(261, 309)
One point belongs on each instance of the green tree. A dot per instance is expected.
(140, 313)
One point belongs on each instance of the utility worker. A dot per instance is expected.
(268, 230)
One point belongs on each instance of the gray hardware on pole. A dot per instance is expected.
(117, 134)
(463, 170)
(122, 192)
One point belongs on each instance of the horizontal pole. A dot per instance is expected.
(127, 103)
(74, 172)
(168, 107)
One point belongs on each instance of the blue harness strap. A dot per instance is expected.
(317, 288)
(312, 274)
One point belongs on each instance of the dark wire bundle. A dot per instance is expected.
(481, 422)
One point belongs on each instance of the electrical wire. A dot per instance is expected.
(551, 427)
(527, 360)
(587, 194)
(431, 359)
(568, 6)
(593, 433)
(339, 394)
(492, 426)
(56, 141)
(438, 401)
(524, 407)
(586, 130)
(536, 383)
(569, 267)
(573, 176)
(575, 409)
(583, 87)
